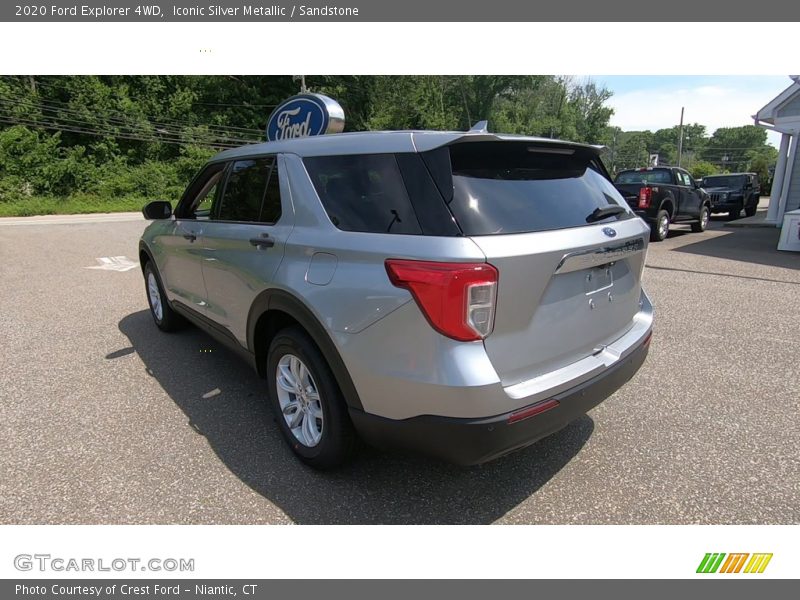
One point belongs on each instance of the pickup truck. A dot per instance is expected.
(664, 195)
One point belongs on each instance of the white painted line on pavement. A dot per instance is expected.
(114, 263)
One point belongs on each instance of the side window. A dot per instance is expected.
(271, 209)
(198, 200)
(363, 193)
(244, 190)
(201, 209)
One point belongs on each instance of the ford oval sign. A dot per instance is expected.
(305, 115)
(609, 232)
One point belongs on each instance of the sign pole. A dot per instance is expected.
(680, 139)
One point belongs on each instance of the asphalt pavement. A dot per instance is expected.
(104, 419)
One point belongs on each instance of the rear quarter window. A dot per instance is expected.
(363, 193)
(507, 187)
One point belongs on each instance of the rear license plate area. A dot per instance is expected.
(598, 279)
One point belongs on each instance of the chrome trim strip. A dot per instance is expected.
(584, 259)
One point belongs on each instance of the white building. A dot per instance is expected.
(783, 115)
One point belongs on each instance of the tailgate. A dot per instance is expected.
(562, 295)
(630, 191)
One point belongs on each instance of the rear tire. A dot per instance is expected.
(308, 404)
(164, 317)
(660, 229)
(702, 222)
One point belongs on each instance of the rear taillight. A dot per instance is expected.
(645, 194)
(458, 299)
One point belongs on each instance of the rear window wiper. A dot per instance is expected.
(598, 214)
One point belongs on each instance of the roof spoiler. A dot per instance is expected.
(480, 127)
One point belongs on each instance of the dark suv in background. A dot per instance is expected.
(733, 193)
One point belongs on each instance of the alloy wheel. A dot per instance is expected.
(155, 296)
(299, 400)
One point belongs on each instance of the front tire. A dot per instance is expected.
(308, 404)
(702, 222)
(165, 318)
(750, 211)
(736, 213)
(660, 229)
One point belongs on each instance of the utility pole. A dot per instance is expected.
(680, 139)
(614, 153)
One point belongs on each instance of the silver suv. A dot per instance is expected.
(459, 294)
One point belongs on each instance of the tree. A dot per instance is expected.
(702, 169)
(731, 148)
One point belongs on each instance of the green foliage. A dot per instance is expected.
(111, 142)
(95, 141)
(733, 147)
(702, 169)
(76, 204)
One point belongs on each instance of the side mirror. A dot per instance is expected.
(157, 209)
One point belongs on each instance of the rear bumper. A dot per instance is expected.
(474, 441)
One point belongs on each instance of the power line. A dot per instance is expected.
(67, 107)
(126, 119)
(141, 130)
(136, 128)
(125, 136)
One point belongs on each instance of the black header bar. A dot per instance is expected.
(630, 11)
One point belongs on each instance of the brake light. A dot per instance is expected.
(645, 194)
(458, 299)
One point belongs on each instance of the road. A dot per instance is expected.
(103, 419)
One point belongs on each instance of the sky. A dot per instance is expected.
(655, 101)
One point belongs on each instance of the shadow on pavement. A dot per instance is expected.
(746, 244)
(222, 398)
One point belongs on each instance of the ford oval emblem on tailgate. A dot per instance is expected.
(609, 232)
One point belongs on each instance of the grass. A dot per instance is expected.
(79, 204)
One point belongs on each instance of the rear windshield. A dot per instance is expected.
(649, 176)
(507, 187)
(724, 181)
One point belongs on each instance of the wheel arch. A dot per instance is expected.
(668, 204)
(145, 255)
(273, 310)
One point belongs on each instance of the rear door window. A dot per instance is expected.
(244, 190)
(506, 187)
(363, 193)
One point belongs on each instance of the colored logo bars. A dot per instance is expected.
(733, 563)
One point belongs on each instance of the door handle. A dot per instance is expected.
(190, 236)
(262, 242)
